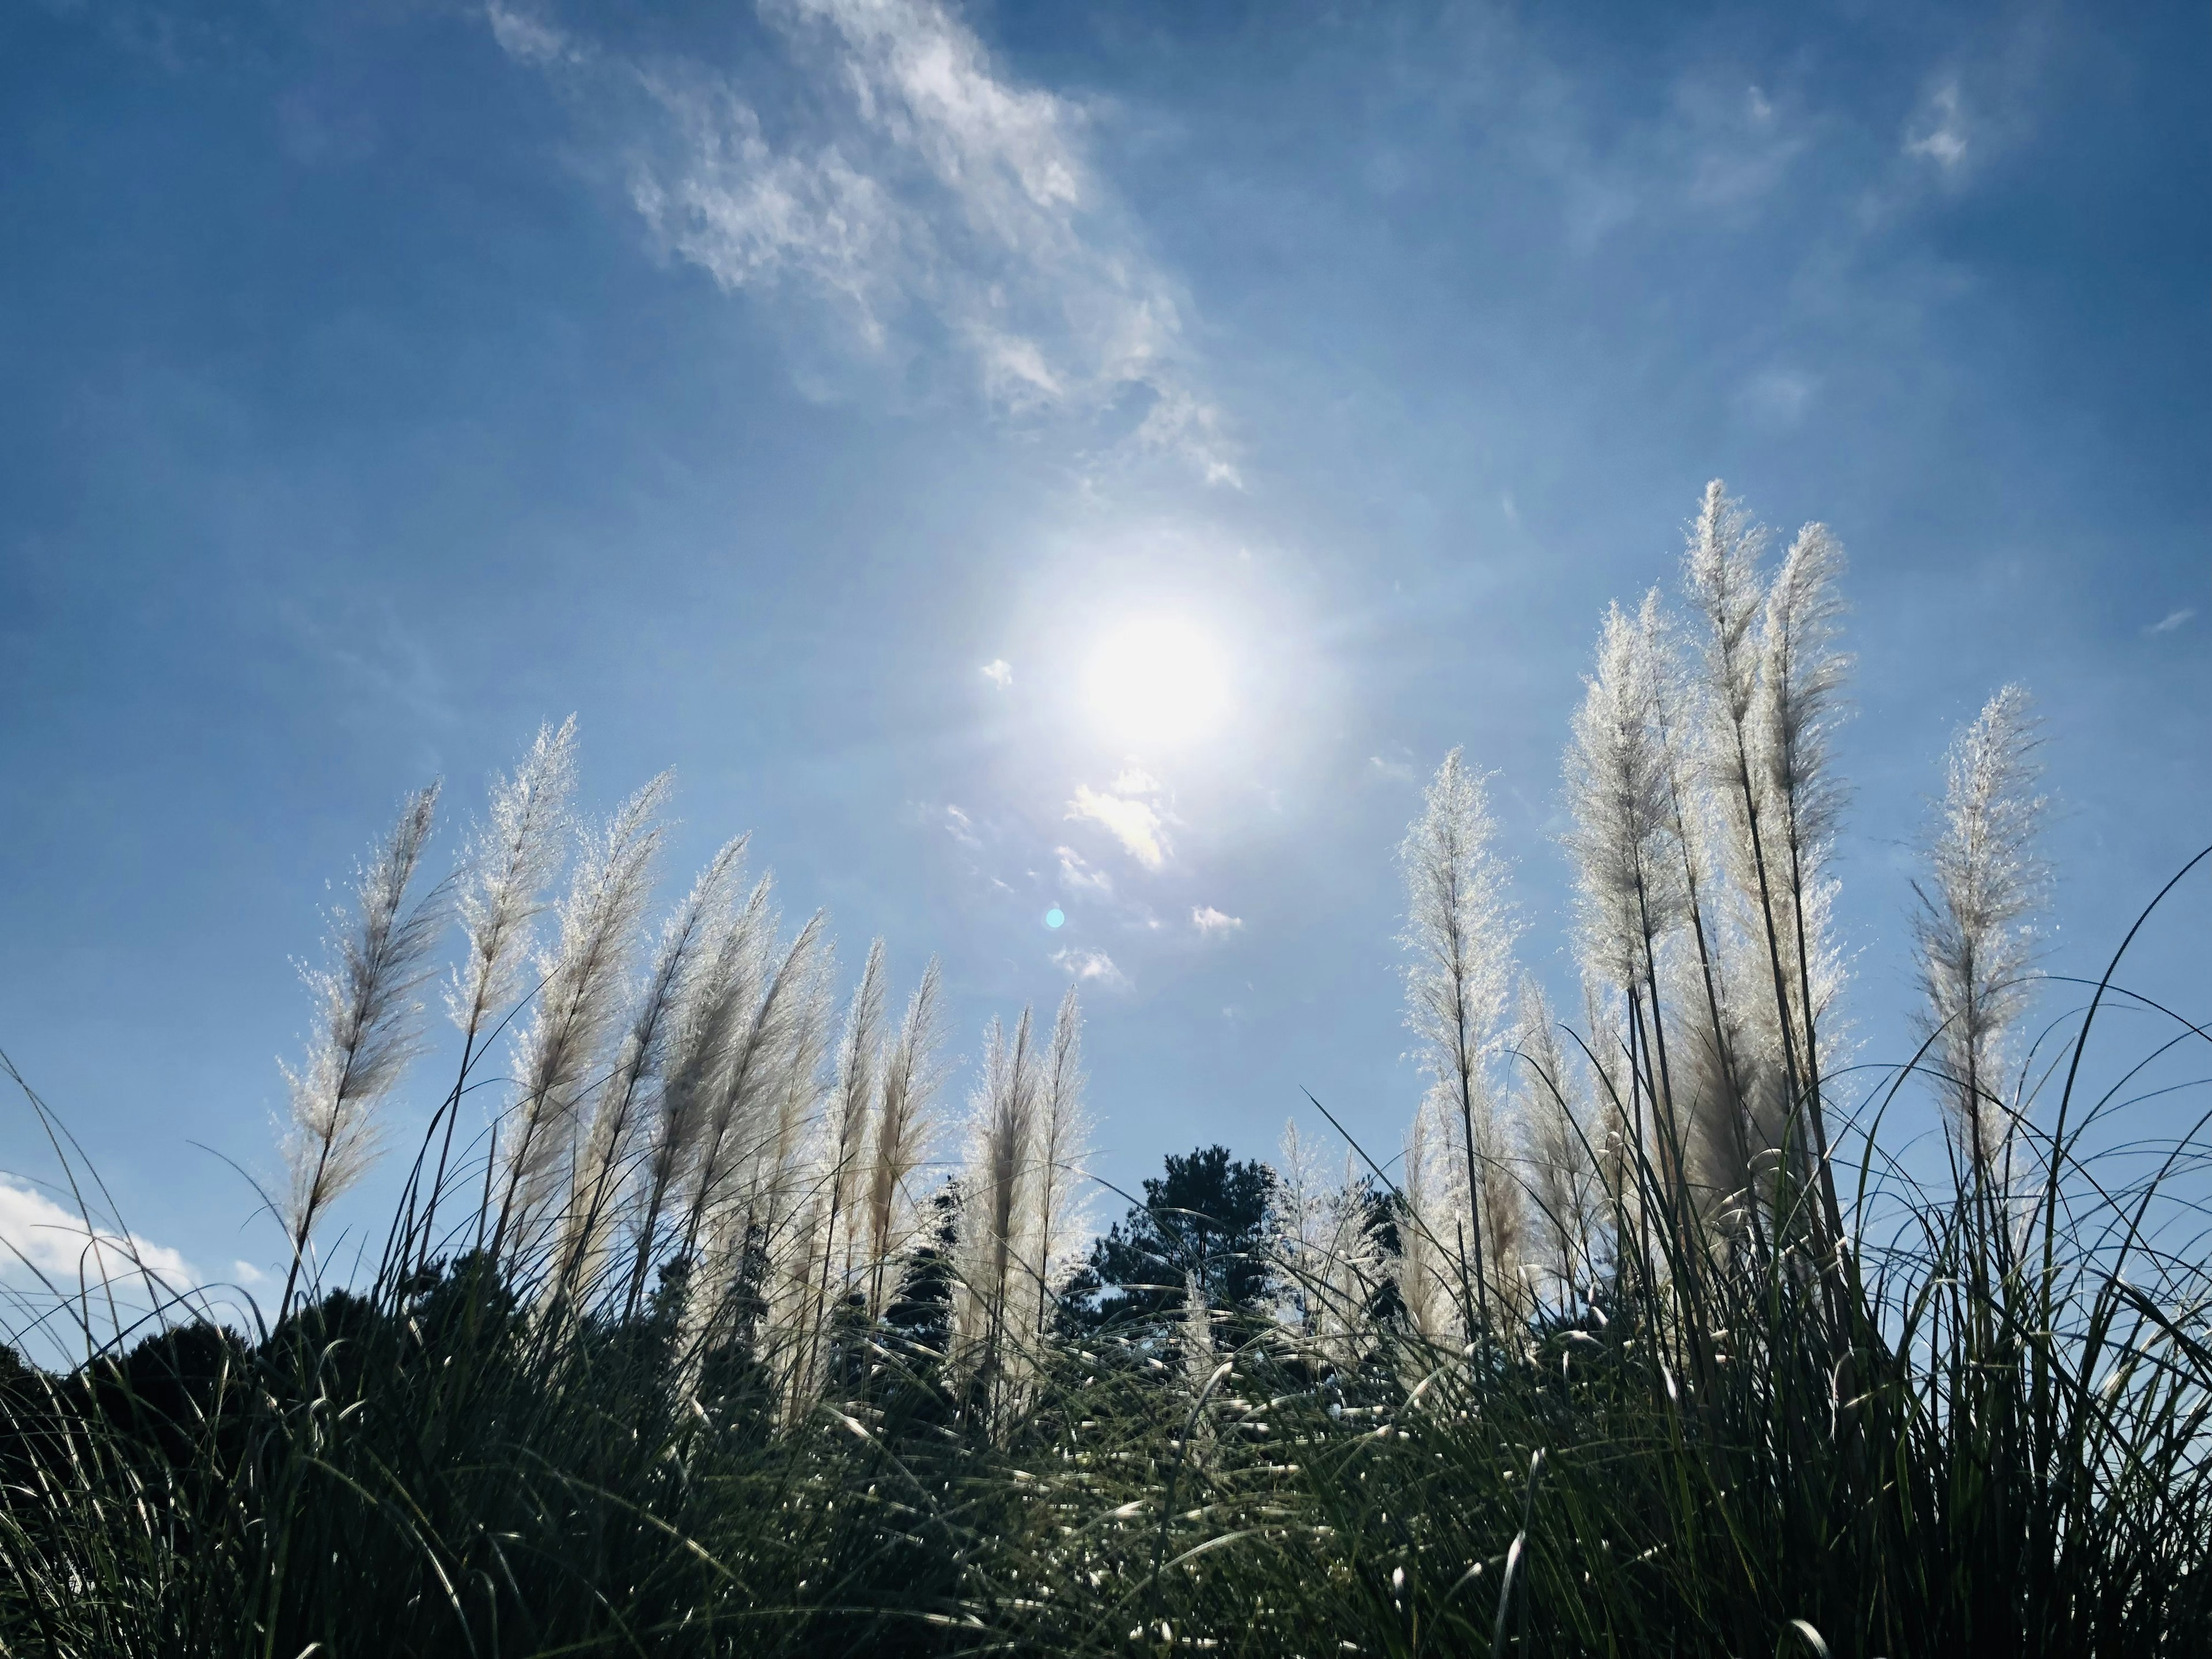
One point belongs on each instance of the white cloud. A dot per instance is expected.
(531, 39)
(1092, 965)
(1210, 922)
(1135, 781)
(1078, 875)
(1938, 132)
(34, 1229)
(925, 195)
(1132, 822)
(2171, 620)
(961, 826)
(1776, 397)
(1000, 673)
(1397, 771)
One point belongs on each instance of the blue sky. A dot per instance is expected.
(383, 379)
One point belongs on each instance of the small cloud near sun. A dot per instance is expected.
(1000, 673)
(1135, 781)
(1132, 822)
(2171, 620)
(1210, 922)
(961, 826)
(1079, 875)
(1095, 966)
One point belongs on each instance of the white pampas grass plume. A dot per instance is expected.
(1802, 675)
(996, 1207)
(837, 1182)
(716, 1003)
(743, 1091)
(1720, 573)
(1323, 1251)
(1430, 1227)
(852, 1094)
(1460, 929)
(578, 1003)
(1630, 882)
(1975, 937)
(1063, 1138)
(914, 1072)
(1618, 810)
(1564, 1185)
(1194, 1349)
(509, 862)
(368, 1026)
(504, 871)
(624, 1099)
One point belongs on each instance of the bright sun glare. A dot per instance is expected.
(1160, 682)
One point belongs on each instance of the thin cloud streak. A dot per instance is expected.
(939, 199)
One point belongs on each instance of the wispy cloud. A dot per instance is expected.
(1135, 781)
(1937, 132)
(1000, 673)
(1776, 397)
(961, 826)
(1397, 771)
(1078, 875)
(35, 1229)
(924, 194)
(1135, 823)
(1211, 922)
(1094, 966)
(2171, 620)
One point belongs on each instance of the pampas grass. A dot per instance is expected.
(368, 1028)
(1651, 1339)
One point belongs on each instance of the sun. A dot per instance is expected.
(1157, 682)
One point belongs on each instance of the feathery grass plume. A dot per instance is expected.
(1461, 930)
(1628, 879)
(507, 866)
(846, 1134)
(741, 1087)
(996, 1224)
(772, 1227)
(624, 1101)
(1431, 1287)
(1727, 1074)
(1802, 675)
(1300, 1231)
(1195, 1353)
(1563, 1189)
(785, 1158)
(792, 1335)
(1717, 1085)
(1976, 939)
(717, 1004)
(1321, 1242)
(368, 1026)
(579, 1004)
(510, 860)
(1721, 579)
(1063, 1145)
(914, 1072)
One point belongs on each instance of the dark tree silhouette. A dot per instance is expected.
(1207, 1216)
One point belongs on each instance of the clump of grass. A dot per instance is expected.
(694, 1350)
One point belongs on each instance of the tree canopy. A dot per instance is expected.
(1205, 1218)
